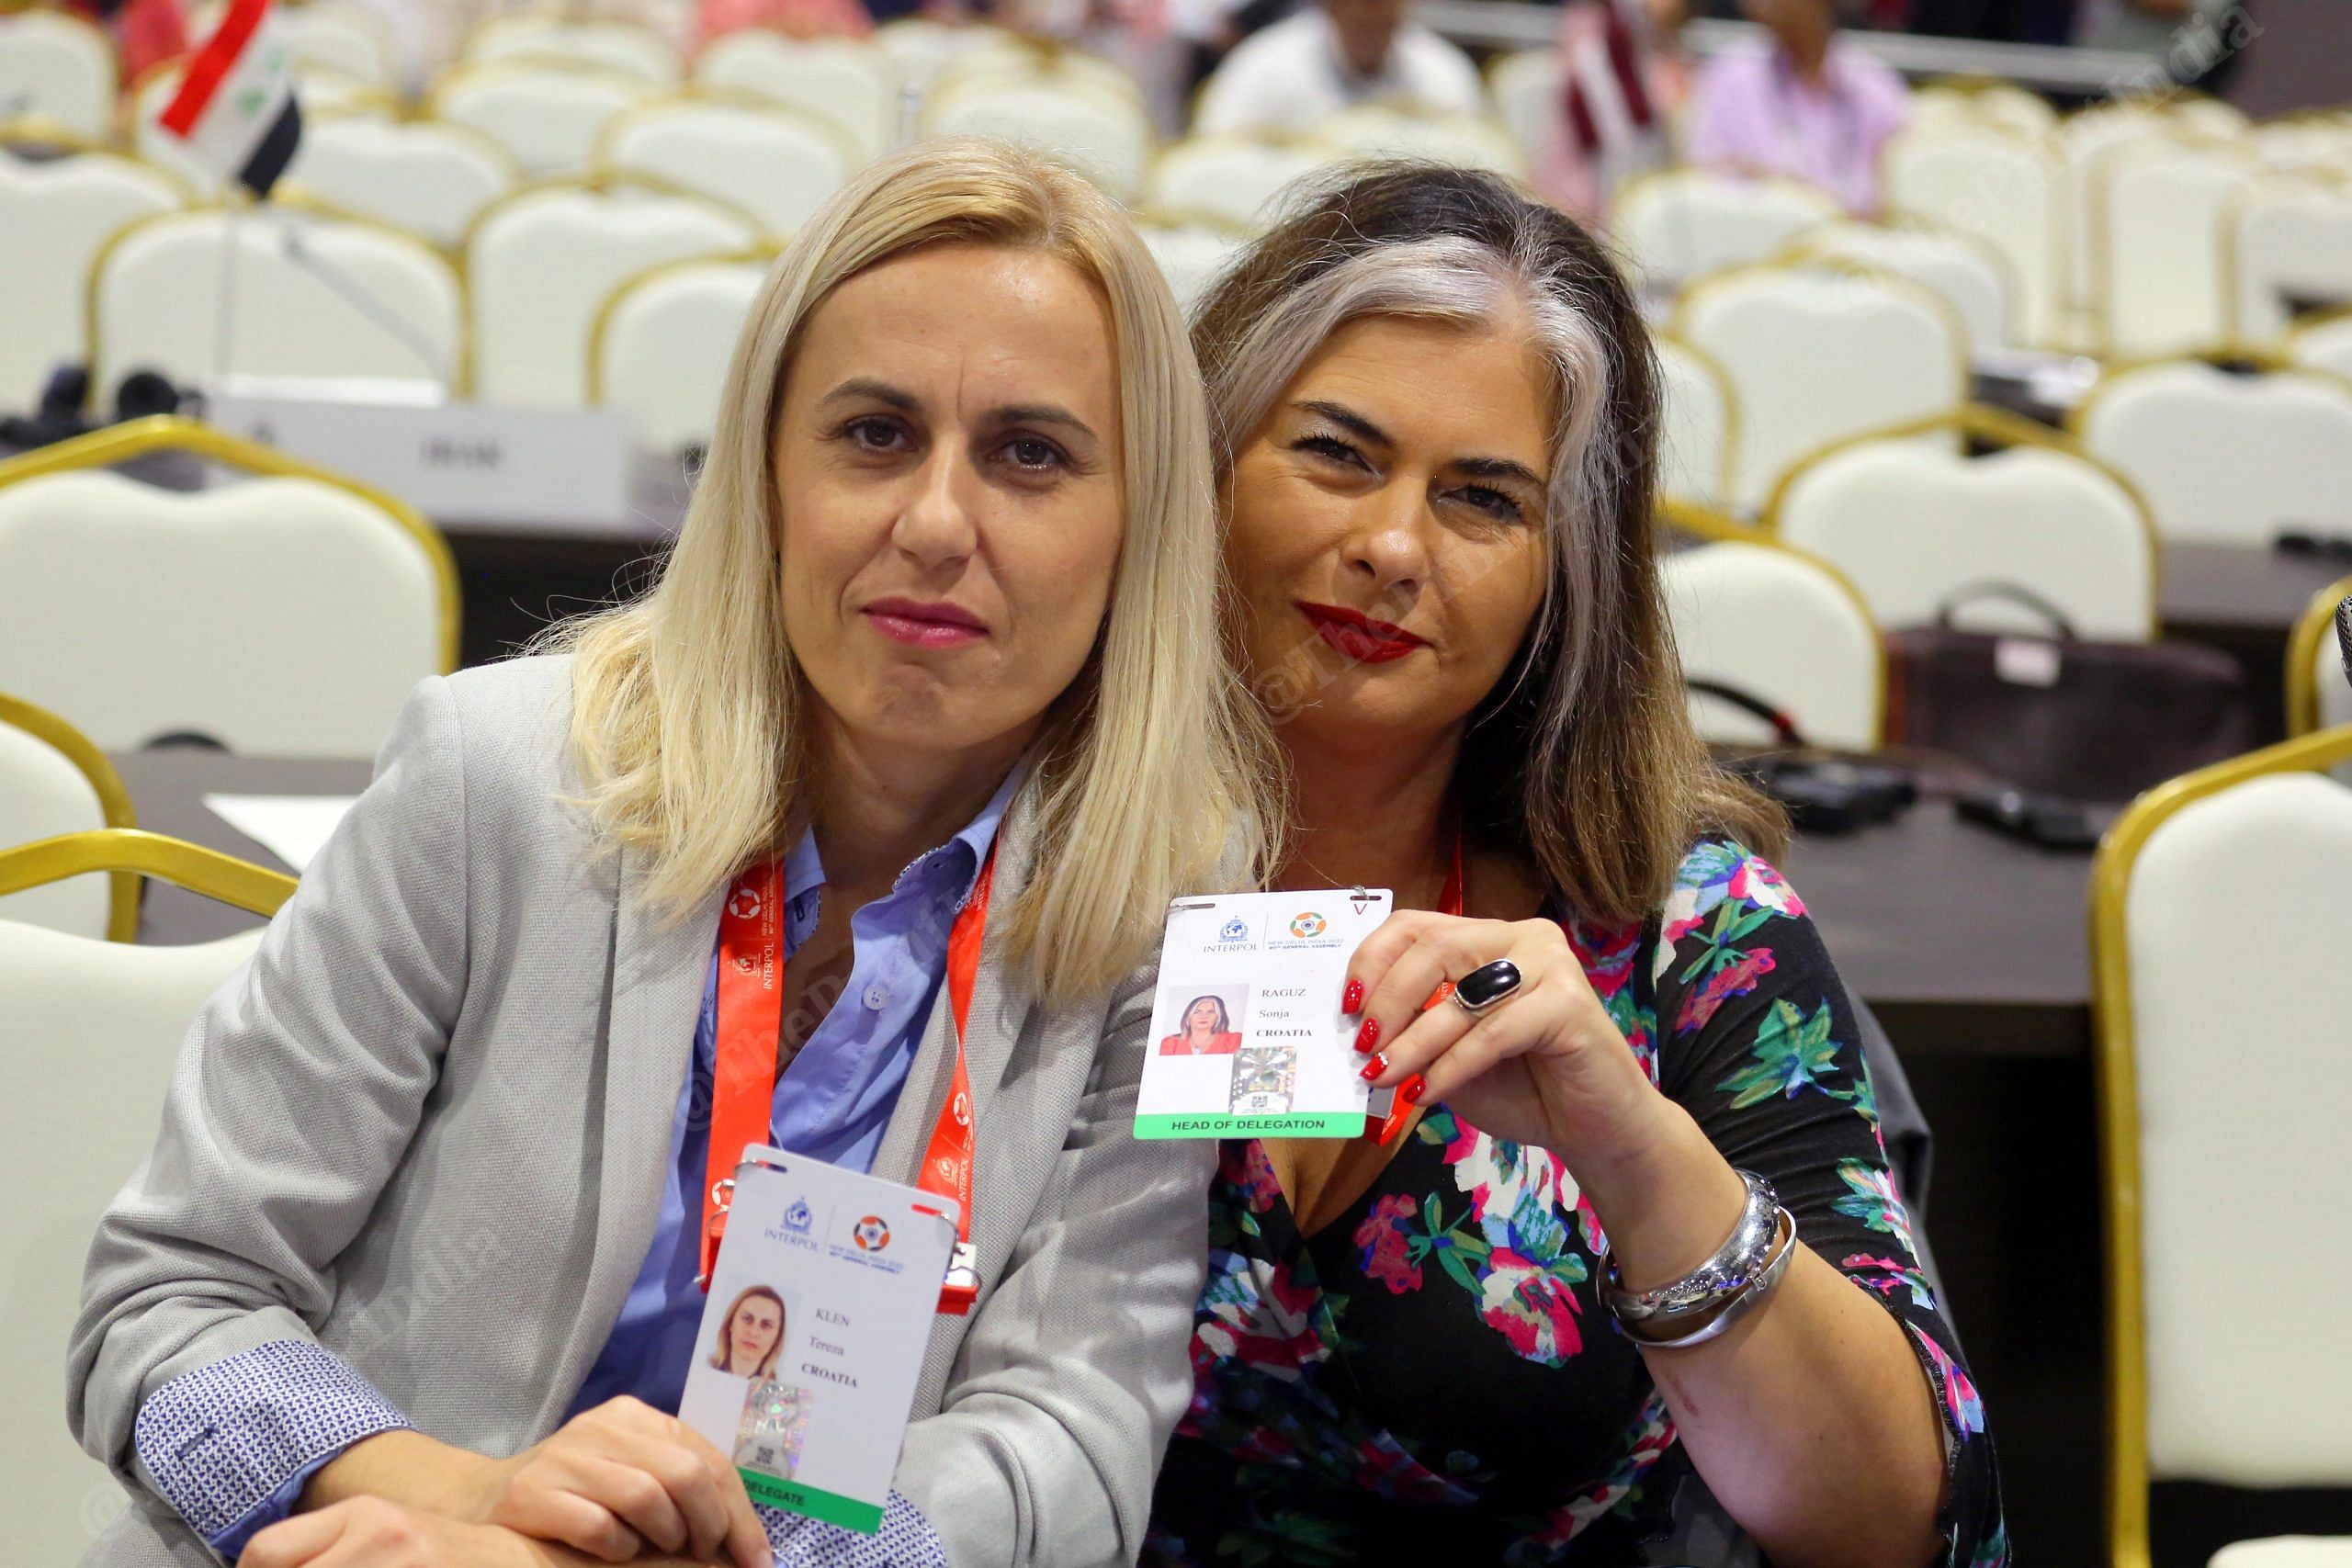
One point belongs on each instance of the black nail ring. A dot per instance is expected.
(1487, 984)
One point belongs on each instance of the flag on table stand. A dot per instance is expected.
(235, 109)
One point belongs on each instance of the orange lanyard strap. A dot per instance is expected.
(750, 1016)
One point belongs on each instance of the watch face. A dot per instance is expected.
(776, 1418)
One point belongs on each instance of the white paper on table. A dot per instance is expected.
(292, 827)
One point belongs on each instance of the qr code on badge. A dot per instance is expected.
(776, 1419)
(1264, 1077)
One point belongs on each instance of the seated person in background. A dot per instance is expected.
(1328, 56)
(1810, 106)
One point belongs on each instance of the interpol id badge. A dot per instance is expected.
(1246, 1039)
(821, 1304)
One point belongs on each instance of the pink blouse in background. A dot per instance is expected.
(1749, 111)
(795, 18)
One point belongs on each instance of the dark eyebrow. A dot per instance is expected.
(1349, 421)
(1500, 469)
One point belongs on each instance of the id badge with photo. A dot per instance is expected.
(1246, 1037)
(821, 1304)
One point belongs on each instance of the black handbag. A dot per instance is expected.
(2059, 713)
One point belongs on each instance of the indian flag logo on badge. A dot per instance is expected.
(872, 1234)
(1307, 925)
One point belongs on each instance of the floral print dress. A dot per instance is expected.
(1434, 1372)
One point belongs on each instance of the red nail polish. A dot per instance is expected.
(1409, 1091)
(1351, 1000)
(1375, 1067)
(1368, 1037)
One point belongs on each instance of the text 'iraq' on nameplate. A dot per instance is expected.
(822, 1302)
(1246, 1037)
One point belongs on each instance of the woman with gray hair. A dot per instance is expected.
(1629, 1234)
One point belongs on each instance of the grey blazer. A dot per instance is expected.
(426, 1131)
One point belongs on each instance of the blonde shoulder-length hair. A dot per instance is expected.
(690, 720)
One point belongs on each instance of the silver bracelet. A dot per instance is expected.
(1740, 1306)
(1733, 1266)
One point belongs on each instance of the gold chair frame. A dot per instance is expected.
(135, 852)
(2118, 1113)
(114, 801)
(2312, 628)
(169, 432)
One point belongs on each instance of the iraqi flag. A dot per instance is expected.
(235, 107)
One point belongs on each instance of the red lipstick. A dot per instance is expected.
(934, 624)
(1359, 637)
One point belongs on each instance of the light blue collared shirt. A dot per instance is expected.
(833, 1102)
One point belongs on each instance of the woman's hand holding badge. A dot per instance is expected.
(624, 1479)
(1537, 1061)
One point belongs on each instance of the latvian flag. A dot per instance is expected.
(235, 107)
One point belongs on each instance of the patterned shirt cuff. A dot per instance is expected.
(223, 1442)
(905, 1541)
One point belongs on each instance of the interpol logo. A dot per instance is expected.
(797, 1218)
(1234, 930)
(872, 1234)
(1307, 925)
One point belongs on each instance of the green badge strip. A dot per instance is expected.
(824, 1507)
(1269, 1124)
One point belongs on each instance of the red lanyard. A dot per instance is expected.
(751, 1013)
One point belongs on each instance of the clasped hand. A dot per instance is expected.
(614, 1483)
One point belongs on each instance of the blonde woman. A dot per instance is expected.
(751, 1334)
(413, 1261)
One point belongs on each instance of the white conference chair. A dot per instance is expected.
(853, 82)
(2318, 696)
(631, 48)
(2314, 144)
(922, 48)
(2225, 458)
(546, 118)
(2322, 343)
(104, 1021)
(2080, 141)
(56, 70)
(53, 781)
(2155, 242)
(1008, 58)
(775, 165)
(2200, 114)
(1910, 526)
(1676, 224)
(1529, 90)
(2282, 236)
(1998, 186)
(1701, 434)
(1387, 131)
(286, 614)
(429, 177)
(1190, 254)
(663, 342)
(2217, 916)
(1970, 274)
(310, 297)
(1105, 133)
(542, 262)
(55, 216)
(1235, 179)
(1815, 359)
(1782, 627)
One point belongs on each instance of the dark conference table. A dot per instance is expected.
(1965, 942)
